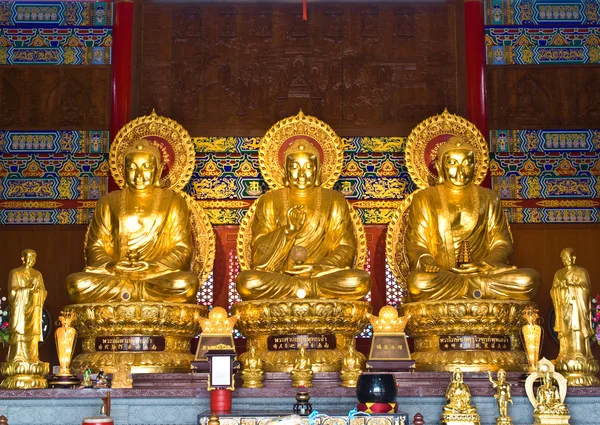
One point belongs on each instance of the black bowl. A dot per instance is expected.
(376, 388)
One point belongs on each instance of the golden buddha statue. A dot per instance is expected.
(27, 294)
(302, 373)
(549, 399)
(302, 250)
(448, 245)
(458, 409)
(458, 212)
(303, 244)
(353, 364)
(139, 244)
(571, 298)
(148, 248)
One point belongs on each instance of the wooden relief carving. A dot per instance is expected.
(246, 66)
(544, 97)
(54, 97)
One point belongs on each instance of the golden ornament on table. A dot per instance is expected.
(302, 249)
(302, 373)
(449, 244)
(148, 248)
(503, 397)
(252, 373)
(217, 330)
(389, 347)
(549, 400)
(27, 293)
(532, 336)
(65, 337)
(573, 322)
(458, 409)
(353, 365)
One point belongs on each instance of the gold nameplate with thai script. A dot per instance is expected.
(389, 347)
(130, 343)
(293, 342)
(474, 342)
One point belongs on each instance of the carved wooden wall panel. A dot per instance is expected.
(544, 97)
(63, 98)
(242, 67)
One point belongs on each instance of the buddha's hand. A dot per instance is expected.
(429, 265)
(124, 266)
(296, 216)
(303, 270)
(474, 267)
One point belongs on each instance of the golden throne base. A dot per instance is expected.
(177, 323)
(260, 319)
(24, 376)
(484, 318)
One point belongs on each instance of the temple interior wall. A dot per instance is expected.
(228, 72)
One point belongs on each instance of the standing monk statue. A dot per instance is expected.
(26, 299)
(458, 241)
(303, 243)
(139, 244)
(572, 302)
(23, 369)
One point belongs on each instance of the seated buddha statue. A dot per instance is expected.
(139, 243)
(303, 244)
(457, 239)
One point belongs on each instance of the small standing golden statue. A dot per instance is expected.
(458, 410)
(65, 337)
(532, 336)
(352, 366)
(572, 304)
(23, 369)
(502, 396)
(302, 373)
(549, 401)
(252, 373)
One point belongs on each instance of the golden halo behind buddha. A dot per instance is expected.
(428, 137)
(177, 153)
(284, 137)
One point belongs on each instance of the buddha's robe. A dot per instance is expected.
(327, 236)
(429, 234)
(26, 298)
(164, 239)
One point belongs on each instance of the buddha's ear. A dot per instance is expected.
(439, 168)
(159, 170)
(318, 174)
(286, 182)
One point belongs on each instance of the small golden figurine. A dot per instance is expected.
(572, 304)
(353, 364)
(302, 373)
(502, 396)
(22, 369)
(549, 400)
(252, 372)
(458, 410)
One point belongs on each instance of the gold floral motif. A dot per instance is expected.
(297, 125)
(440, 125)
(149, 127)
(217, 322)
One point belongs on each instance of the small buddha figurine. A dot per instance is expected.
(548, 400)
(570, 294)
(139, 243)
(458, 213)
(502, 396)
(303, 244)
(352, 366)
(458, 396)
(252, 370)
(548, 397)
(302, 373)
(27, 294)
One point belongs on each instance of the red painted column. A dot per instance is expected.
(122, 51)
(475, 58)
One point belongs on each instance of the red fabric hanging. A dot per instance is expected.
(304, 11)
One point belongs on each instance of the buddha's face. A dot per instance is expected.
(140, 170)
(567, 257)
(301, 170)
(458, 167)
(28, 257)
(458, 376)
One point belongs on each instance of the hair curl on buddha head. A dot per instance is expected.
(454, 143)
(303, 145)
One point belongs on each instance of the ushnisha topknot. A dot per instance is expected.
(302, 145)
(143, 145)
(452, 144)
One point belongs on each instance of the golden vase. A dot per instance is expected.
(65, 338)
(532, 337)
